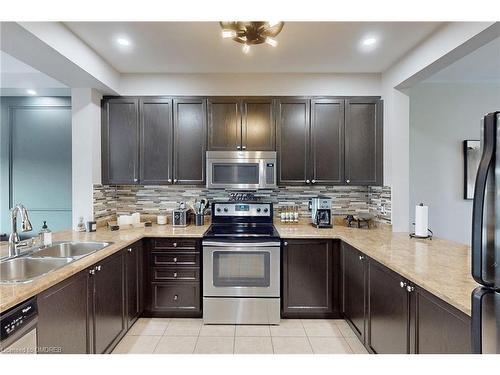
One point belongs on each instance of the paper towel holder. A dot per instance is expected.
(429, 235)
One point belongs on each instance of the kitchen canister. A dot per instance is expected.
(161, 219)
(199, 220)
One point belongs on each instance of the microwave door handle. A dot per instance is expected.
(485, 164)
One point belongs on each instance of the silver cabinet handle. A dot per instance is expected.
(175, 274)
(92, 271)
(243, 147)
(285, 243)
(176, 297)
(98, 268)
(308, 181)
(402, 284)
(313, 181)
(348, 181)
(409, 288)
(238, 147)
(175, 180)
(135, 179)
(175, 260)
(169, 180)
(175, 244)
(361, 257)
(129, 249)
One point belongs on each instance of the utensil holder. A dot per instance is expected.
(199, 220)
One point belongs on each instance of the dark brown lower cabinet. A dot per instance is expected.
(354, 289)
(388, 311)
(134, 272)
(310, 279)
(108, 300)
(173, 278)
(63, 316)
(438, 327)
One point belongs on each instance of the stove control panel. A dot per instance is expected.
(240, 209)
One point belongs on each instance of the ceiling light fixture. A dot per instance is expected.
(123, 42)
(30, 92)
(369, 41)
(251, 33)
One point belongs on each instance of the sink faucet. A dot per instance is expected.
(26, 227)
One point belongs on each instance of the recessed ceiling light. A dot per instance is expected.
(123, 42)
(30, 92)
(245, 48)
(228, 33)
(369, 41)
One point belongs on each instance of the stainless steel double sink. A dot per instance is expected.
(38, 262)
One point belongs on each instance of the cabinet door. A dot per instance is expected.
(156, 141)
(224, 124)
(258, 126)
(109, 303)
(354, 289)
(363, 142)
(63, 316)
(308, 290)
(293, 141)
(388, 311)
(134, 281)
(327, 141)
(190, 131)
(437, 327)
(120, 141)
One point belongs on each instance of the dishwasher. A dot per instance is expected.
(18, 334)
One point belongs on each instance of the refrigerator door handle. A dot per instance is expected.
(477, 321)
(485, 166)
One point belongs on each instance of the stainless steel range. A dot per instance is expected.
(241, 265)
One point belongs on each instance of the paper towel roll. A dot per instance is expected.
(421, 220)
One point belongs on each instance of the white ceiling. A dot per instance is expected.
(482, 65)
(16, 76)
(304, 47)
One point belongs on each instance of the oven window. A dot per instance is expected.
(235, 173)
(241, 268)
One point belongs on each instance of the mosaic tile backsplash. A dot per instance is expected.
(111, 200)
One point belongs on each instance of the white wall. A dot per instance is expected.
(442, 115)
(250, 84)
(86, 151)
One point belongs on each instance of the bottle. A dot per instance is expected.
(45, 235)
(81, 225)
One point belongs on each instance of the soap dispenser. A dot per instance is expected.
(45, 235)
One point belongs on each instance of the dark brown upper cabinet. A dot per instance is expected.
(120, 141)
(363, 141)
(293, 134)
(190, 134)
(156, 141)
(224, 124)
(310, 279)
(241, 124)
(327, 141)
(258, 132)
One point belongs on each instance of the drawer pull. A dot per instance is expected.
(402, 284)
(175, 274)
(175, 260)
(176, 297)
(175, 244)
(129, 249)
(361, 257)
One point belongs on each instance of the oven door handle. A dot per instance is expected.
(241, 244)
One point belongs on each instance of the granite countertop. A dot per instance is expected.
(439, 266)
(12, 294)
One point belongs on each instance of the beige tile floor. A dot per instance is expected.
(190, 336)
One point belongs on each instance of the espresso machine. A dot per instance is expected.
(321, 210)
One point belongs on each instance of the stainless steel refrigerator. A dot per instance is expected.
(486, 241)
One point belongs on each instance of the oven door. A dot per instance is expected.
(241, 269)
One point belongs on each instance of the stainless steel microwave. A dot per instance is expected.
(241, 170)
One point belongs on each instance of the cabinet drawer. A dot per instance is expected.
(175, 259)
(174, 244)
(175, 274)
(176, 296)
